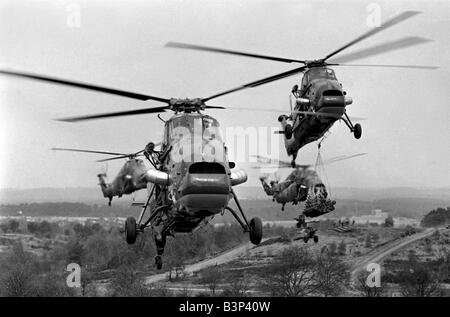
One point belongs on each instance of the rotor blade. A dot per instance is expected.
(393, 66)
(265, 160)
(278, 163)
(342, 158)
(114, 114)
(259, 82)
(381, 48)
(118, 157)
(395, 20)
(86, 151)
(318, 114)
(214, 107)
(84, 86)
(219, 50)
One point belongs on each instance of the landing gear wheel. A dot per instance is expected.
(256, 230)
(158, 262)
(316, 239)
(357, 131)
(288, 131)
(130, 230)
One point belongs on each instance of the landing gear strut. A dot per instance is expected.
(355, 129)
(254, 227)
(160, 241)
(132, 228)
(294, 157)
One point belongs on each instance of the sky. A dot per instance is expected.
(120, 44)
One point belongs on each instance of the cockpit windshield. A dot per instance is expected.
(321, 72)
(194, 138)
(193, 126)
(211, 129)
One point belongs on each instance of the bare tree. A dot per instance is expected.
(331, 275)
(418, 280)
(291, 274)
(365, 290)
(17, 282)
(238, 288)
(342, 248)
(212, 276)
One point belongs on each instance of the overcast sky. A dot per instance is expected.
(120, 44)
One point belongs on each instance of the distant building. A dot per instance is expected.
(376, 217)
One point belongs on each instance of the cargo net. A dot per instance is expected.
(318, 201)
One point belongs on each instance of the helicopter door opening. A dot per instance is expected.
(206, 168)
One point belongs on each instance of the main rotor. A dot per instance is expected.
(199, 104)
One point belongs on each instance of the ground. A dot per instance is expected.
(241, 262)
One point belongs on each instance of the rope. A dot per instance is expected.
(319, 167)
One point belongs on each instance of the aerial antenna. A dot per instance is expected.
(159, 117)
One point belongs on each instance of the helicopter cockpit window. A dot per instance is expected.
(181, 127)
(330, 73)
(211, 129)
(186, 126)
(321, 72)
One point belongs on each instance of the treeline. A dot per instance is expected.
(263, 208)
(68, 210)
(104, 254)
(436, 217)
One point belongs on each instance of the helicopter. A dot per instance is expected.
(129, 178)
(302, 182)
(191, 179)
(320, 100)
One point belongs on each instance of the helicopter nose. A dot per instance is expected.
(206, 186)
(332, 99)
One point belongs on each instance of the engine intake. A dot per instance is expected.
(158, 177)
(238, 177)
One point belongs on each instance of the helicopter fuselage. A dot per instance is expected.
(199, 174)
(296, 186)
(127, 181)
(322, 96)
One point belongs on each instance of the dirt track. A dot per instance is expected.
(379, 254)
(220, 259)
(375, 256)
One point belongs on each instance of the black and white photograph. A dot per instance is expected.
(223, 154)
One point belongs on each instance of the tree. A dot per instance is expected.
(418, 280)
(17, 275)
(368, 242)
(292, 273)
(52, 285)
(17, 282)
(331, 275)
(389, 221)
(342, 248)
(437, 217)
(366, 290)
(211, 277)
(238, 288)
(126, 283)
(332, 248)
(75, 252)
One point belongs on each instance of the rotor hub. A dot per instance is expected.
(186, 105)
